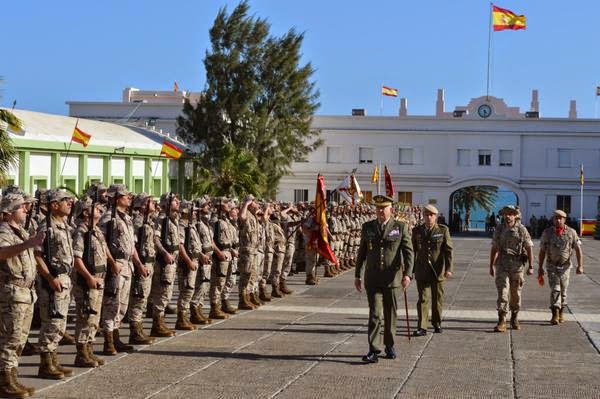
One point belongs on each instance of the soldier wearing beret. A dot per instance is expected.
(556, 248)
(386, 253)
(433, 264)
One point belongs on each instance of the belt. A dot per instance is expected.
(99, 269)
(20, 282)
(207, 249)
(149, 259)
(55, 271)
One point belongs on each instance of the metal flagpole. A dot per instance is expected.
(381, 95)
(68, 149)
(379, 178)
(487, 93)
(581, 180)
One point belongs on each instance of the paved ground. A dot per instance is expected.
(309, 345)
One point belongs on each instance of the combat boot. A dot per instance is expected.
(66, 372)
(109, 344)
(159, 329)
(244, 303)
(29, 349)
(264, 295)
(514, 321)
(216, 312)
(501, 326)
(137, 336)
(254, 299)
(47, 369)
(227, 307)
(196, 316)
(276, 293)
(554, 320)
(90, 351)
(67, 339)
(284, 288)
(121, 346)
(183, 322)
(560, 315)
(83, 359)
(311, 279)
(328, 272)
(15, 379)
(8, 388)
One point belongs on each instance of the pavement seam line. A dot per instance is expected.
(513, 365)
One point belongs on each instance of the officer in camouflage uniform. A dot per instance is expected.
(223, 240)
(289, 223)
(230, 282)
(187, 265)
(309, 229)
(17, 294)
(262, 248)
(279, 247)
(247, 263)
(202, 286)
(263, 272)
(120, 237)
(556, 246)
(56, 286)
(511, 248)
(88, 287)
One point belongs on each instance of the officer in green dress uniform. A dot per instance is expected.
(386, 253)
(433, 264)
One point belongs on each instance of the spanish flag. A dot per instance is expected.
(320, 238)
(506, 19)
(79, 136)
(170, 150)
(388, 91)
(375, 177)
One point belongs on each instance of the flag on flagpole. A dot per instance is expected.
(320, 238)
(375, 177)
(170, 150)
(81, 137)
(598, 90)
(389, 185)
(175, 87)
(581, 177)
(388, 91)
(505, 19)
(350, 190)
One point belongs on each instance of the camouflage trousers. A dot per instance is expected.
(186, 281)
(558, 281)
(201, 287)
(231, 278)
(311, 262)
(218, 276)
(16, 308)
(276, 267)
(115, 307)
(288, 260)
(247, 265)
(264, 272)
(87, 323)
(163, 281)
(52, 330)
(137, 304)
(509, 283)
(261, 260)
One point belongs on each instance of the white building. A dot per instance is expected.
(484, 143)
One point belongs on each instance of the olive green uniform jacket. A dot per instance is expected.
(433, 252)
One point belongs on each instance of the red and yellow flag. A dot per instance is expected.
(320, 238)
(79, 136)
(506, 19)
(389, 185)
(581, 177)
(388, 91)
(170, 150)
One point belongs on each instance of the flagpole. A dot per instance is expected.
(68, 149)
(378, 178)
(487, 93)
(581, 180)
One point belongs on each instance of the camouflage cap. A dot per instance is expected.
(203, 201)
(56, 195)
(560, 213)
(12, 189)
(140, 200)
(509, 209)
(83, 203)
(118, 189)
(11, 202)
(96, 188)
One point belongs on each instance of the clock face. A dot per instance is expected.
(484, 110)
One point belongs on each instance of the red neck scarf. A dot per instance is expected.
(559, 230)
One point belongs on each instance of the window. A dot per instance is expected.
(138, 185)
(39, 184)
(406, 156)
(505, 157)
(117, 180)
(300, 195)
(365, 155)
(463, 157)
(70, 183)
(485, 157)
(333, 154)
(156, 188)
(405, 197)
(333, 195)
(564, 158)
(563, 202)
(173, 184)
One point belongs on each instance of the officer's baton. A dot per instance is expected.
(406, 308)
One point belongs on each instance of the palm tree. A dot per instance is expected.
(8, 154)
(467, 198)
(236, 174)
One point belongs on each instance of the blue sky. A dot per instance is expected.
(55, 51)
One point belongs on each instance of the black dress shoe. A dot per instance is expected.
(390, 352)
(419, 332)
(370, 357)
(438, 329)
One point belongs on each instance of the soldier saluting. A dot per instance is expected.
(386, 252)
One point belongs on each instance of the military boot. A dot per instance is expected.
(8, 388)
(328, 272)
(254, 299)
(15, 379)
(109, 344)
(121, 346)
(501, 326)
(83, 359)
(514, 321)
(284, 288)
(137, 336)
(29, 349)
(67, 339)
(560, 315)
(66, 372)
(554, 320)
(244, 303)
(196, 316)
(228, 307)
(183, 322)
(159, 329)
(311, 279)
(47, 369)
(90, 351)
(276, 293)
(263, 294)
(216, 312)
